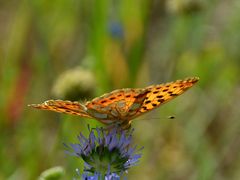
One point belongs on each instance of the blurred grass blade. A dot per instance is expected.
(53, 173)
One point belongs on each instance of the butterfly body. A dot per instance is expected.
(123, 105)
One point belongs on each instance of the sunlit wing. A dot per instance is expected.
(68, 107)
(162, 93)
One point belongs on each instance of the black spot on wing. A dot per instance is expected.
(145, 108)
(172, 94)
(147, 102)
(154, 105)
(160, 100)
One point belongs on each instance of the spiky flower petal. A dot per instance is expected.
(107, 154)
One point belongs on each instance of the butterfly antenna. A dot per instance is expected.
(171, 117)
(159, 118)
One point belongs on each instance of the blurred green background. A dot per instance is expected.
(79, 49)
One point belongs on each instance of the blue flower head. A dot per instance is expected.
(116, 30)
(107, 154)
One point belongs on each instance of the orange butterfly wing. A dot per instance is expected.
(68, 107)
(162, 93)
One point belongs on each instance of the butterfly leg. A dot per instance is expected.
(126, 125)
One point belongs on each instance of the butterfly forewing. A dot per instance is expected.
(67, 107)
(163, 93)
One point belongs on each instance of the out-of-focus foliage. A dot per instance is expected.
(123, 44)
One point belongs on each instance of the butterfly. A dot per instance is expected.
(121, 106)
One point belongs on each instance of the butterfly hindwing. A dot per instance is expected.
(115, 104)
